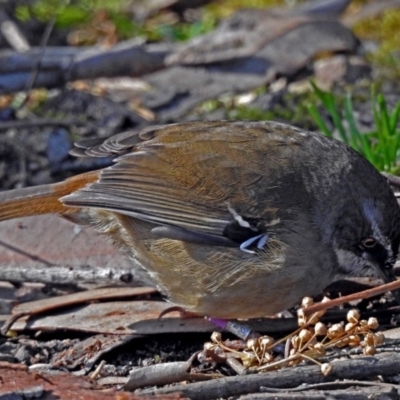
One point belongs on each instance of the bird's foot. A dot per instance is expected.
(182, 313)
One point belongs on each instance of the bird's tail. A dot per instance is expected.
(42, 199)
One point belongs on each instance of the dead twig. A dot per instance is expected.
(365, 294)
(358, 368)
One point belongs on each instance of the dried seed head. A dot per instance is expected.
(314, 318)
(301, 317)
(268, 358)
(305, 335)
(369, 350)
(369, 339)
(252, 343)
(326, 369)
(301, 322)
(266, 341)
(208, 346)
(248, 360)
(354, 340)
(379, 338)
(301, 313)
(319, 346)
(353, 316)
(216, 337)
(320, 349)
(335, 331)
(296, 341)
(307, 302)
(320, 329)
(372, 323)
(350, 326)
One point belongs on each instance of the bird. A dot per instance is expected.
(230, 219)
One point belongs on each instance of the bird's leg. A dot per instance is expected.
(242, 331)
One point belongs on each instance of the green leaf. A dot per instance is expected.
(381, 146)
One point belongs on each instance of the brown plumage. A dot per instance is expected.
(182, 199)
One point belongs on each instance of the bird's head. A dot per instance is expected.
(367, 236)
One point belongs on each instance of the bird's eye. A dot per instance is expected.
(369, 243)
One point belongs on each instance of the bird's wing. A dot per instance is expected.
(194, 176)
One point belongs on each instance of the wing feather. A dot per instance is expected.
(188, 175)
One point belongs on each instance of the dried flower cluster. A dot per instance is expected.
(310, 341)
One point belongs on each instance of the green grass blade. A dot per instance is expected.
(394, 118)
(312, 109)
(382, 107)
(328, 101)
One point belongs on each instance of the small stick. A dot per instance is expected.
(365, 294)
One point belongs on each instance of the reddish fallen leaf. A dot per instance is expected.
(18, 382)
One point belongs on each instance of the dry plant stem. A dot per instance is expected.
(305, 345)
(293, 357)
(278, 363)
(97, 371)
(365, 294)
(303, 339)
(288, 337)
(38, 64)
(344, 335)
(333, 342)
(286, 360)
(230, 350)
(309, 359)
(287, 348)
(259, 359)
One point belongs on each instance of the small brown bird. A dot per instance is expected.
(231, 219)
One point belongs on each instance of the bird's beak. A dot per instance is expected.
(387, 275)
